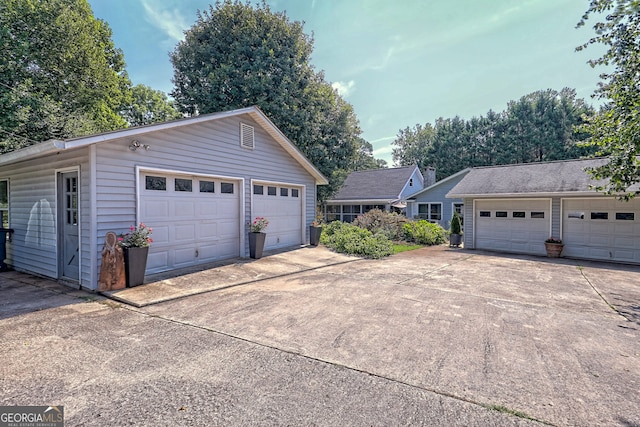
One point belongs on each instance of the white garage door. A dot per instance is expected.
(194, 219)
(282, 205)
(604, 229)
(512, 225)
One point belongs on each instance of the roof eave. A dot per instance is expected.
(41, 149)
(512, 195)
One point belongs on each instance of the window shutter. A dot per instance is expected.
(247, 136)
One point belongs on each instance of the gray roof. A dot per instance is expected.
(568, 176)
(375, 184)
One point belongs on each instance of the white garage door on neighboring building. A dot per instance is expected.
(512, 225)
(601, 228)
(281, 204)
(195, 219)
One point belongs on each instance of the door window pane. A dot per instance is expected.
(258, 189)
(271, 191)
(183, 185)
(207, 187)
(226, 187)
(158, 183)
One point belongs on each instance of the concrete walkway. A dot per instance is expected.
(164, 287)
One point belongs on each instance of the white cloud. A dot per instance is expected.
(170, 21)
(344, 88)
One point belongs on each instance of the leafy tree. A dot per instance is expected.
(412, 145)
(148, 106)
(236, 55)
(60, 72)
(615, 131)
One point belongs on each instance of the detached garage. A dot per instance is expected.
(198, 182)
(515, 208)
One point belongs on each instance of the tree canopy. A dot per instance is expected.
(615, 131)
(537, 127)
(148, 106)
(237, 55)
(60, 73)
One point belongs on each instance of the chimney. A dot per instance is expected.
(429, 175)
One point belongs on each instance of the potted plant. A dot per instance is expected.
(554, 247)
(315, 230)
(257, 236)
(455, 235)
(135, 245)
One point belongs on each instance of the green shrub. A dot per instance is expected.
(456, 226)
(387, 224)
(424, 233)
(349, 239)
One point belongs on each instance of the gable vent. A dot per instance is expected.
(247, 136)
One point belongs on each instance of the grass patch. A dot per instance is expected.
(404, 247)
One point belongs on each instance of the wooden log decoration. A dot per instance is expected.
(112, 275)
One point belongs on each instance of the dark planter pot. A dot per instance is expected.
(314, 235)
(256, 244)
(554, 250)
(135, 264)
(455, 239)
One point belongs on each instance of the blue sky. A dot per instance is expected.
(398, 63)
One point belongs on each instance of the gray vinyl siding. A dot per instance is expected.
(437, 194)
(468, 223)
(211, 148)
(32, 185)
(556, 215)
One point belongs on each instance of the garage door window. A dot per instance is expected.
(519, 214)
(625, 216)
(599, 215)
(226, 188)
(258, 189)
(485, 214)
(207, 187)
(294, 192)
(501, 214)
(157, 183)
(537, 215)
(284, 192)
(183, 185)
(271, 191)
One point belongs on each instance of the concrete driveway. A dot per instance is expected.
(436, 336)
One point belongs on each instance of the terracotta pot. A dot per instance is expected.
(554, 250)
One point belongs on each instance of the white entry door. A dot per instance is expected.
(281, 204)
(512, 225)
(195, 219)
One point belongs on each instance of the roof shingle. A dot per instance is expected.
(374, 184)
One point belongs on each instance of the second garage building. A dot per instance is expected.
(515, 208)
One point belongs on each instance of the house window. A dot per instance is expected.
(155, 183)
(625, 216)
(4, 202)
(183, 185)
(258, 189)
(332, 213)
(350, 212)
(207, 187)
(485, 214)
(501, 214)
(599, 215)
(430, 211)
(284, 192)
(294, 192)
(226, 187)
(367, 208)
(518, 214)
(537, 215)
(271, 191)
(411, 182)
(457, 207)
